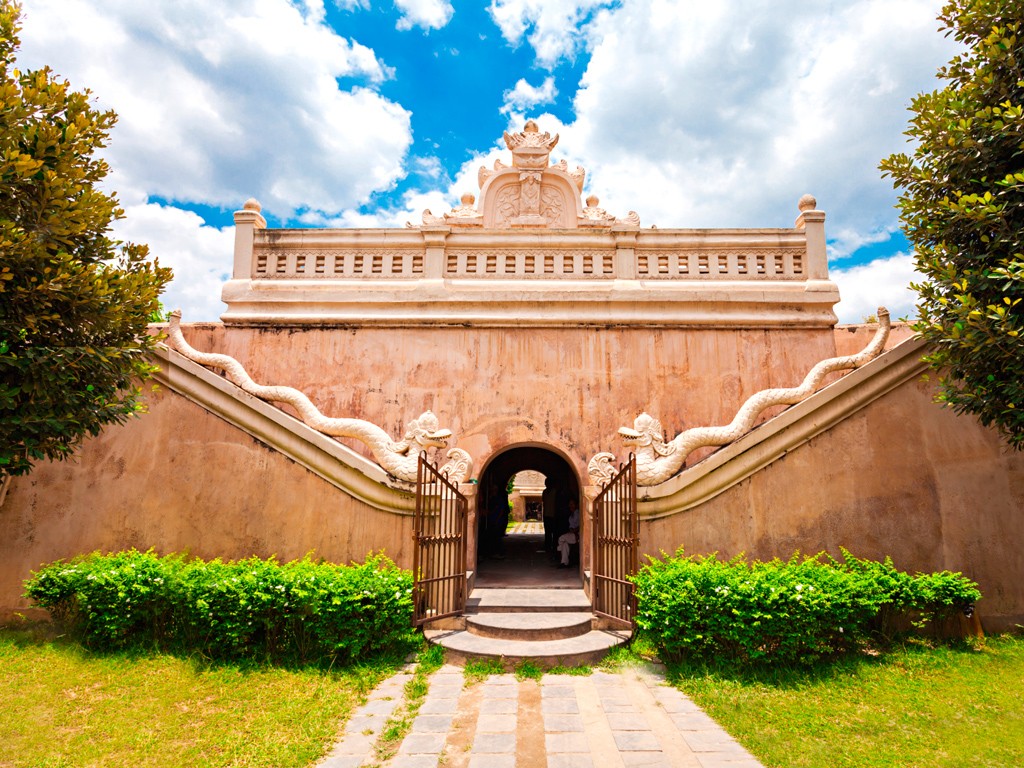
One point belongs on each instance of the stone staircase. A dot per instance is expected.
(548, 627)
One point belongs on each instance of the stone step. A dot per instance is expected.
(527, 601)
(589, 648)
(529, 626)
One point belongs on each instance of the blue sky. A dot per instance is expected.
(361, 113)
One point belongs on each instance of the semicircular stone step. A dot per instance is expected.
(462, 645)
(529, 626)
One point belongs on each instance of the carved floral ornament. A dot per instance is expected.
(532, 192)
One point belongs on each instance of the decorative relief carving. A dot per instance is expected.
(399, 459)
(552, 205)
(506, 205)
(529, 194)
(658, 459)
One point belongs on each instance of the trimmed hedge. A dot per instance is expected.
(776, 612)
(302, 611)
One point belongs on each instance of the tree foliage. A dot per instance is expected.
(73, 302)
(962, 207)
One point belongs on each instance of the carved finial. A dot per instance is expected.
(430, 220)
(807, 203)
(465, 215)
(252, 204)
(631, 219)
(578, 177)
(531, 149)
(595, 216)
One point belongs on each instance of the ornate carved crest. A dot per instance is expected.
(531, 192)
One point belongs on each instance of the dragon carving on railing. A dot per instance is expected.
(399, 459)
(658, 460)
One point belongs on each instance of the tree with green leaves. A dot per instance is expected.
(962, 206)
(74, 302)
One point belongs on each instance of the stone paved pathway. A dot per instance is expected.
(604, 720)
(530, 526)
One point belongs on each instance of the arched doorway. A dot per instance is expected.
(516, 557)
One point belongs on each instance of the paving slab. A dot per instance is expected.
(496, 723)
(567, 723)
(605, 720)
(570, 760)
(636, 741)
(566, 742)
(492, 761)
(412, 761)
(560, 706)
(432, 723)
(494, 743)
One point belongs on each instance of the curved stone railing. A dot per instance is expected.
(398, 458)
(658, 461)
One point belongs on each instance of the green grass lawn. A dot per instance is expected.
(914, 706)
(63, 706)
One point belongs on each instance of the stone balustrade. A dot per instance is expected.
(578, 255)
(608, 272)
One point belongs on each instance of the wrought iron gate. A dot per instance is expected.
(616, 543)
(439, 552)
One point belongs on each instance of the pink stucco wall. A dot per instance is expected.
(568, 388)
(179, 479)
(901, 477)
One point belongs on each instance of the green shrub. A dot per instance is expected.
(248, 609)
(794, 612)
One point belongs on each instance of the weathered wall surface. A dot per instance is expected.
(851, 339)
(179, 479)
(902, 477)
(566, 388)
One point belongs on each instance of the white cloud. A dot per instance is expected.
(523, 96)
(849, 239)
(428, 14)
(201, 256)
(879, 283)
(555, 29)
(222, 101)
(701, 115)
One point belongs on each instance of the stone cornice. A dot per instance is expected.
(532, 303)
(337, 464)
(793, 427)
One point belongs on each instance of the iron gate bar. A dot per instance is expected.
(439, 546)
(616, 546)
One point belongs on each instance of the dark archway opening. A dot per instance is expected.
(517, 558)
